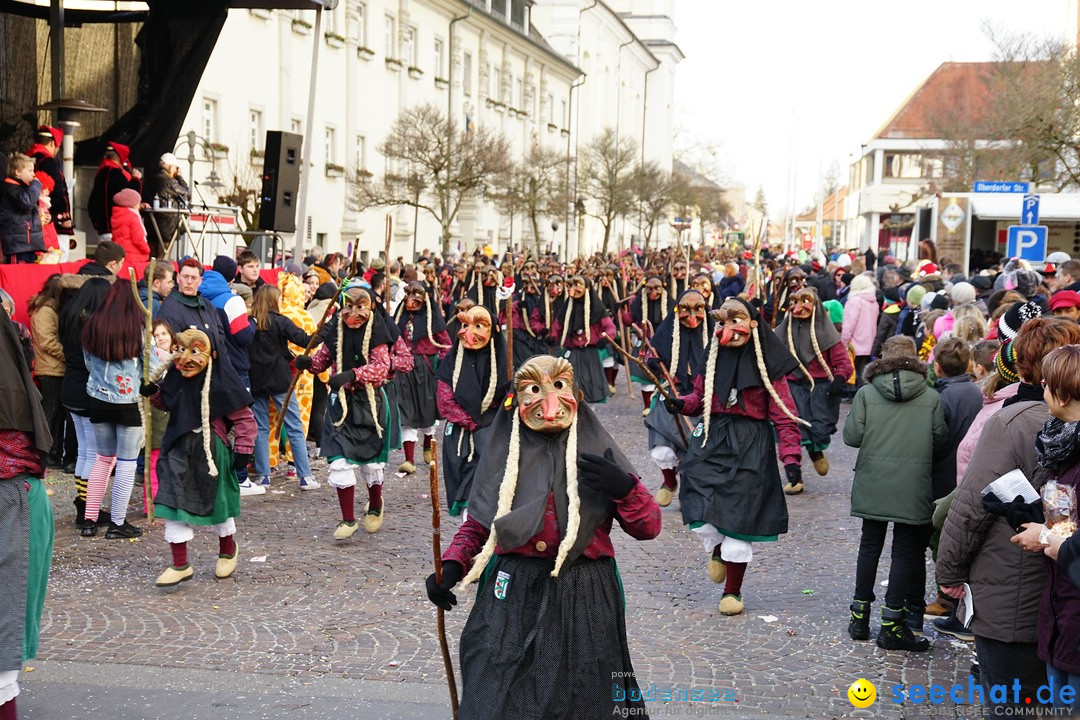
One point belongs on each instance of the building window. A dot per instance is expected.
(903, 165)
(438, 57)
(498, 8)
(389, 35)
(562, 116)
(466, 69)
(408, 46)
(330, 21)
(295, 126)
(209, 119)
(359, 24)
(519, 94)
(330, 155)
(551, 109)
(361, 153)
(255, 131)
(517, 14)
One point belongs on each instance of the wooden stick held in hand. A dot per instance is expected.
(148, 347)
(436, 547)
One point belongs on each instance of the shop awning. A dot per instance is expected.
(1054, 207)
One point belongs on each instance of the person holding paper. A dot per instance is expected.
(974, 547)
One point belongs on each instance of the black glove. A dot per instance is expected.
(1017, 512)
(794, 473)
(674, 404)
(837, 386)
(240, 460)
(302, 362)
(440, 593)
(654, 364)
(604, 475)
(341, 380)
(148, 389)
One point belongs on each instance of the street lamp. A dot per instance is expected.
(193, 141)
(554, 229)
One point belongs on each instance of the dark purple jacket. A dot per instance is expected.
(1059, 610)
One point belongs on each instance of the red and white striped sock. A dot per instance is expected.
(96, 484)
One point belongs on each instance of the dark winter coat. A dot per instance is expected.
(20, 223)
(110, 179)
(962, 400)
(269, 352)
(886, 327)
(1006, 581)
(730, 286)
(1059, 611)
(898, 424)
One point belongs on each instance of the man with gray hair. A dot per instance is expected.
(165, 191)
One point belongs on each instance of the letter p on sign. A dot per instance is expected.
(1027, 242)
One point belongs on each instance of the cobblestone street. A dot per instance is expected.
(305, 607)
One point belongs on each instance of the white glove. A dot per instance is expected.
(504, 293)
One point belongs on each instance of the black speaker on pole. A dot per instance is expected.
(280, 181)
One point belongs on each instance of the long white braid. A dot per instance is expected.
(814, 342)
(676, 349)
(431, 336)
(368, 387)
(573, 516)
(493, 380)
(566, 320)
(341, 396)
(760, 357)
(525, 321)
(791, 347)
(206, 417)
(506, 501)
(710, 383)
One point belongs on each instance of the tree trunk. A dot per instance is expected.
(536, 233)
(445, 239)
(607, 237)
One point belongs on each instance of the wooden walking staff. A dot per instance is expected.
(386, 282)
(623, 337)
(667, 373)
(659, 385)
(148, 347)
(509, 337)
(436, 547)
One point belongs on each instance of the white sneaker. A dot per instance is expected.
(249, 488)
(309, 483)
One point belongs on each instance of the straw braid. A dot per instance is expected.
(370, 389)
(573, 515)
(814, 342)
(342, 397)
(457, 365)
(525, 321)
(676, 349)
(791, 347)
(506, 501)
(206, 417)
(431, 337)
(710, 383)
(760, 357)
(566, 320)
(489, 396)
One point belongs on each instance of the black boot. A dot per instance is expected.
(896, 635)
(859, 625)
(913, 618)
(80, 511)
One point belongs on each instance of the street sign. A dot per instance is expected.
(1030, 214)
(1027, 242)
(986, 186)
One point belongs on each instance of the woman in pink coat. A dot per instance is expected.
(128, 231)
(860, 321)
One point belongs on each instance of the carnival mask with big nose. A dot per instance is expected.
(415, 294)
(492, 278)
(555, 286)
(475, 330)
(796, 280)
(545, 390)
(192, 352)
(679, 271)
(654, 288)
(802, 304)
(691, 310)
(703, 285)
(577, 287)
(733, 324)
(357, 309)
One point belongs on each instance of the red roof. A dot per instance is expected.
(959, 87)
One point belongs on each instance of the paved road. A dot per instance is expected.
(319, 625)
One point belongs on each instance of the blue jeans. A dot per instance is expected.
(293, 427)
(119, 441)
(1060, 679)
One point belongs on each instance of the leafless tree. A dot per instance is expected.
(534, 188)
(607, 174)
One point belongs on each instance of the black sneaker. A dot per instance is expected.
(89, 528)
(952, 626)
(127, 530)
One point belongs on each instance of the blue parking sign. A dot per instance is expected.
(1027, 242)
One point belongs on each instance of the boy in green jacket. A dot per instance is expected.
(898, 424)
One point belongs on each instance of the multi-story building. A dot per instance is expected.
(483, 60)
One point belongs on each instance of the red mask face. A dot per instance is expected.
(414, 296)
(192, 353)
(475, 330)
(802, 304)
(691, 310)
(545, 391)
(555, 287)
(357, 309)
(679, 271)
(733, 324)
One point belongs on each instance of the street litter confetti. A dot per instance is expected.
(258, 558)
(769, 618)
(791, 633)
(278, 492)
(807, 592)
(393, 663)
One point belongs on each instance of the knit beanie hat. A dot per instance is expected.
(892, 294)
(962, 293)
(1064, 299)
(1005, 363)
(242, 290)
(226, 266)
(1010, 323)
(127, 198)
(939, 302)
(915, 295)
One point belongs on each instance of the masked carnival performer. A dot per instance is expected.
(731, 491)
(356, 429)
(680, 340)
(647, 310)
(421, 326)
(821, 376)
(472, 385)
(677, 284)
(529, 328)
(580, 329)
(785, 282)
(196, 469)
(554, 297)
(611, 294)
(485, 287)
(547, 632)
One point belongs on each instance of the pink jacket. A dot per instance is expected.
(860, 322)
(966, 448)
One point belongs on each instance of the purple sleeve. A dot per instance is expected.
(244, 430)
(443, 338)
(789, 439)
(321, 360)
(467, 543)
(693, 403)
(638, 513)
(608, 327)
(450, 409)
(839, 361)
(377, 369)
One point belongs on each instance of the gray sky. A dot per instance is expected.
(762, 75)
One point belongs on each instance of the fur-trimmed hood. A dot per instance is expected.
(898, 379)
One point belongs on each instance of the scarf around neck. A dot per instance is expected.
(1058, 443)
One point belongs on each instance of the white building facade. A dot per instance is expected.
(483, 60)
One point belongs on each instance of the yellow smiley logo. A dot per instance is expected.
(862, 693)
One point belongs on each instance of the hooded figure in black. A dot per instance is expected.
(821, 376)
(580, 326)
(421, 323)
(530, 330)
(647, 310)
(472, 385)
(484, 287)
(547, 633)
(611, 294)
(731, 493)
(680, 341)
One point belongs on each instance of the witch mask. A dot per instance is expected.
(545, 393)
(654, 288)
(703, 285)
(415, 295)
(475, 330)
(578, 287)
(691, 310)
(733, 323)
(192, 353)
(357, 308)
(802, 304)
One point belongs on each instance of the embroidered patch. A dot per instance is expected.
(699, 429)
(566, 354)
(449, 429)
(502, 581)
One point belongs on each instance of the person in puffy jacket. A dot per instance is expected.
(898, 424)
(128, 231)
(21, 237)
(860, 322)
